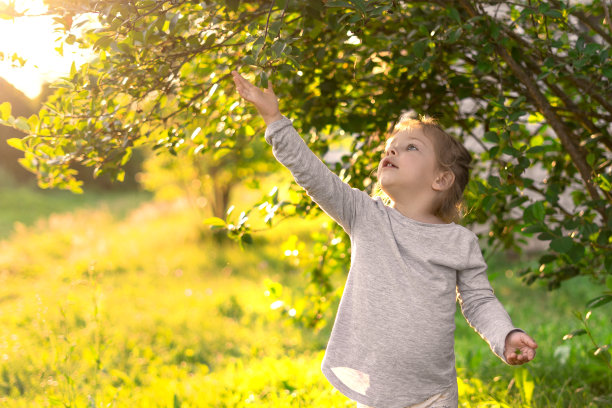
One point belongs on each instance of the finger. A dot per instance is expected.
(237, 81)
(240, 82)
(236, 75)
(240, 79)
(247, 84)
(528, 341)
(532, 354)
(239, 87)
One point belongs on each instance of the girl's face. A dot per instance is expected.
(414, 157)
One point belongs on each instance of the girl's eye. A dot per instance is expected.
(412, 146)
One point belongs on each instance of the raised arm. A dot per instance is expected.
(335, 197)
(479, 305)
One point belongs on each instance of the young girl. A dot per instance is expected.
(392, 343)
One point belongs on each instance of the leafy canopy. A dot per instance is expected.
(529, 81)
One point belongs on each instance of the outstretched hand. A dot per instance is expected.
(265, 100)
(519, 348)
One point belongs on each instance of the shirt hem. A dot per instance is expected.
(344, 389)
(364, 399)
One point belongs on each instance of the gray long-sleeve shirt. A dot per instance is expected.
(392, 342)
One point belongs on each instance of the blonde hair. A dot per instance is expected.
(450, 155)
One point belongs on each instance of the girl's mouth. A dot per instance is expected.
(388, 162)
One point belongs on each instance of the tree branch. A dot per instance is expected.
(575, 151)
(589, 21)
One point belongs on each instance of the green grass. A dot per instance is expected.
(564, 373)
(26, 205)
(127, 305)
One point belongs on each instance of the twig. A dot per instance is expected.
(607, 11)
(268, 20)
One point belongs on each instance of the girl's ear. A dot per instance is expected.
(444, 180)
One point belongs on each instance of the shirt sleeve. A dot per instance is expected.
(479, 305)
(335, 197)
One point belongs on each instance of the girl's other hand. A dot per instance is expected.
(516, 342)
(265, 100)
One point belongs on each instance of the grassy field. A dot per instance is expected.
(118, 301)
(25, 205)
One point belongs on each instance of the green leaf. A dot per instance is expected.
(537, 210)
(263, 79)
(215, 221)
(603, 354)
(554, 13)
(419, 48)
(274, 29)
(21, 123)
(491, 137)
(175, 19)
(608, 263)
(488, 201)
(126, 156)
(536, 140)
(247, 238)
(5, 111)
(562, 244)
(576, 253)
(278, 48)
(249, 60)
(511, 151)
(545, 236)
(16, 142)
(210, 40)
(536, 149)
(495, 29)
(604, 181)
(599, 301)
(102, 42)
(484, 66)
(532, 228)
(578, 332)
(494, 181)
(454, 35)
(592, 48)
(361, 5)
(221, 152)
(354, 18)
(339, 4)
(454, 14)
